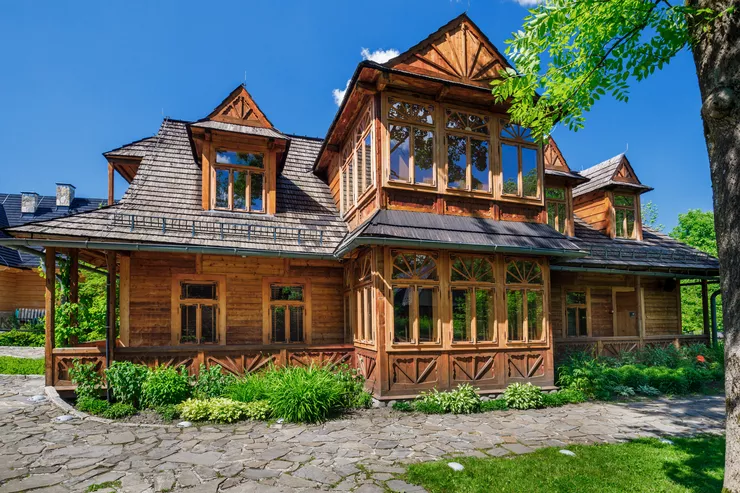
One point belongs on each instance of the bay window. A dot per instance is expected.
(411, 129)
(364, 299)
(525, 301)
(473, 299)
(557, 212)
(519, 162)
(357, 174)
(415, 298)
(468, 162)
(240, 181)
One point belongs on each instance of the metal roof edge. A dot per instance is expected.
(642, 273)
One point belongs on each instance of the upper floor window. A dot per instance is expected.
(357, 161)
(411, 128)
(519, 157)
(473, 299)
(556, 204)
(240, 181)
(624, 215)
(525, 301)
(415, 291)
(468, 162)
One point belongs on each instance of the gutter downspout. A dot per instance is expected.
(713, 301)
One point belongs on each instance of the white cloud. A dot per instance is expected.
(528, 3)
(377, 56)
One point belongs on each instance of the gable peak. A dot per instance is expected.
(240, 108)
(624, 172)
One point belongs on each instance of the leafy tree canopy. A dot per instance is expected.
(696, 228)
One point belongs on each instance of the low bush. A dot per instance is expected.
(462, 400)
(253, 387)
(212, 382)
(305, 395)
(647, 390)
(353, 388)
(21, 338)
(563, 397)
(10, 365)
(402, 406)
(494, 405)
(223, 410)
(165, 385)
(168, 413)
(524, 396)
(87, 379)
(92, 405)
(624, 391)
(126, 380)
(119, 410)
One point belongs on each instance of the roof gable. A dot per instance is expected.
(458, 51)
(624, 172)
(553, 158)
(239, 108)
(614, 172)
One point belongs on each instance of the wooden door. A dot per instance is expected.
(625, 313)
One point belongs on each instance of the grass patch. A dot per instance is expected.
(644, 465)
(10, 365)
(104, 485)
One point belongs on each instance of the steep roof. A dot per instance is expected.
(615, 171)
(137, 148)
(11, 215)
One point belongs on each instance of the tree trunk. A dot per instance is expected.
(717, 59)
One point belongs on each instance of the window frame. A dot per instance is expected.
(268, 303)
(525, 288)
(433, 128)
(177, 302)
(519, 144)
(633, 209)
(487, 137)
(471, 286)
(362, 295)
(586, 305)
(565, 202)
(415, 284)
(362, 128)
(249, 170)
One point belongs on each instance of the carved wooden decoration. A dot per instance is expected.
(458, 51)
(624, 173)
(240, 108)
(553, 157)
(481, 370)
(414, 371)
(319, 358)
(241, 363)
(525, 366)
(366, 365)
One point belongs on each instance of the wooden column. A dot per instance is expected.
(704, 307)
(111, 199)
(125, 294)
(110, 315)
(640, 309)
(50, 312)
(74, 282)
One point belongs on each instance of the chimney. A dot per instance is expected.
(29, 202)
(65, 195)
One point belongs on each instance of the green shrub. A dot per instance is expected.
(462, 400)
(563, 397)
(523, 396)
(165, 385)
(21, 338)
(87, 379)
(494, 405)
(212, 382)
(667, 380)
(660, 356)
(427, 406)
(119, 410)
(10, 365)
(624, 391)
(168, 413)
(258, 410)
(92, 405)
(632, 376)
(305, 395)
(194, 409)
(402, 406)
(253, 387)
(591, 376)
(223, 410)
(647, 390)
(125, 380)
(353, 388)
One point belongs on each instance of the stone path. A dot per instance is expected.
(361, 453)
(22, 352)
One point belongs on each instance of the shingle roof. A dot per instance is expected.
(601, 176)
(10, 215)
(656, 251)
(241, 129)
(137, 148)
(460, 232)
(570, 175)
(163, 205)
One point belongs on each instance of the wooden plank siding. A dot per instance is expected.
(21, 289)
(594, 209)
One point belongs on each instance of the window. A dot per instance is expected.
(363, 295)
(473, 299)
(240, 181)
(357, 175)
(519, 162)
(415, 298)
(576, 313)
(468, 163)
(287, 313)
(197, 310)
(525, 301)
(557, 214)
(411, 128)
(624, 215)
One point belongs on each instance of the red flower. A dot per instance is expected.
(700, 359)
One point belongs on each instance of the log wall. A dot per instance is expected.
(21, 289)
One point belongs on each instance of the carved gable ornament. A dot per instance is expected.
(554, 158)
(624, 173)
(458, 51)
(240, 108)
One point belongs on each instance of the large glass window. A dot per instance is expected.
(519, 162)
(287, 313)
(624, 213)
(473, 299)
(240, 178)
(576, 313)
(468, 162)
(556, 204)
(525, 301)
(411, 128)
(198, 313)
(415, 288)
(362, 290)
(357, 174)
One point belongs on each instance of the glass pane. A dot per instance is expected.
(289, 293)
(256, 203)
(222, 188)
(402, 110)
(582, 322)
(510, 168)
(522, 272)
(240, 190)
(455, 120)
(423, 156)
(479, 159)
(359, 313)
(296, 323)
(368, 322)
(240, 158)
(555, 193)
(477, 124)
(368, 160)
(205, 291)
(619, 214)
(515, 313)
(630, 216)
(534, 315)
(208, 332)
(514, 131)
(277, 318)
(575, 298)
(624, 200)
(562, 215)
(345, 190)
(551, 214)
(460, 315)
(427, 315)
(529, 172)
(351, 172)
(484, 319)
(401, 314)
(456, 161)
(572, 317)
(400, 153)
(188, 323)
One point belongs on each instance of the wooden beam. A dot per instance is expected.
(110, 184)
(366, 88)
(442, 92)
(124, 289)
(704, 306)
(110, 312)
(332, 147)
(50, 312)
(382, 82)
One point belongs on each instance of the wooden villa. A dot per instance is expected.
(426, 240)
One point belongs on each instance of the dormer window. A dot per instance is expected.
(240, 181)
(624, 216)
(557, 210)
(468, 162)
(519, 162)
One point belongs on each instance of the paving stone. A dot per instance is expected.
(403, 487)
(517, 448)
(204, 459)
(316, 474)
(257, 474)
(121, 438)
(30, 483)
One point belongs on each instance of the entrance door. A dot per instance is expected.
(625, 313)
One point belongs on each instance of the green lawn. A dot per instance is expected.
(10, 365)
(645, 465)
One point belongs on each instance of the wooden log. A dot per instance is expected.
(111, 199)
(50, 312)
(110, 315)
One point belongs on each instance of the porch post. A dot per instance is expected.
(640, 310)
(50, 298)
(74, 297)
(705, 306)
(125, 297)
(110, 312)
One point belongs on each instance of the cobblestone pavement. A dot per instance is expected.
(362, 452)
(22, 352)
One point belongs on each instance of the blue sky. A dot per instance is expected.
(81, 78)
